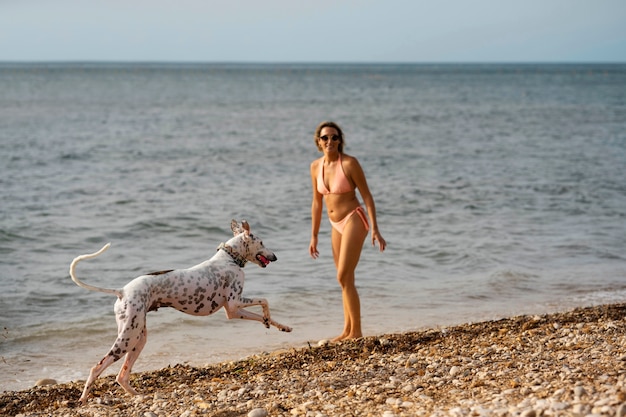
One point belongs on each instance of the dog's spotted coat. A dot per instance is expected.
(199, 291)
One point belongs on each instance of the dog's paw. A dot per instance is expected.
(286, 329)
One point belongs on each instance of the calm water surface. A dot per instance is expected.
(500, 190)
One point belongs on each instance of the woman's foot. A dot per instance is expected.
(346, 337)
(338, 339)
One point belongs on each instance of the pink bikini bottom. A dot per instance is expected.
(341, 224)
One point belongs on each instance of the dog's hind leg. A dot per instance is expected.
(123, 376)
(131, 338)
(95, 373)
(134, 346)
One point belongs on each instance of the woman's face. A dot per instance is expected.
(329, 139)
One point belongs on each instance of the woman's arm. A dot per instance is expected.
(316, 212)
(358, 176)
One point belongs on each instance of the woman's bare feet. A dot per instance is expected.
(346, 337)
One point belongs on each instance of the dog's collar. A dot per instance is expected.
(239, 260)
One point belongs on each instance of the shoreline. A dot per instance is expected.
(569, 363)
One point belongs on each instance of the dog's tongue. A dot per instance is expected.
(264, 259)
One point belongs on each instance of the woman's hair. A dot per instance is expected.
(334, 126)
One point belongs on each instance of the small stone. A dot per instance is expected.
(579, 391)
(408, 388)
(454, 370)
(395, 380)
(395, 402)
(457, 411)
(203, 405)
(258, 412)
(259, 393)
(528, 413)
(413, 359)
(384, 342)
(323, 342)
(45, 381)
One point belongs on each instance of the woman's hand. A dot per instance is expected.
(376, 236)
(313, 248)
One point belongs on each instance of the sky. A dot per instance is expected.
(436, 31)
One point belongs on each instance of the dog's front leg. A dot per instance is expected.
(235, 310)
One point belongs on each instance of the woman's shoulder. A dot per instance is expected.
(349, 159)
(316, 163)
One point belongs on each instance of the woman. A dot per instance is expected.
(335, 178)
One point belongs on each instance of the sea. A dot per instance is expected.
(500, 189)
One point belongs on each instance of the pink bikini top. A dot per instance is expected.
(340, 183)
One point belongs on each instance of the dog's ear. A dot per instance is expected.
(235, 227)
(246, 227)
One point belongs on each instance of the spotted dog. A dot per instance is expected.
(200, 290)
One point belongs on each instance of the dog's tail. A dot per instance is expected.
(87, 286)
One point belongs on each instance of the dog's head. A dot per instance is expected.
(249, 246)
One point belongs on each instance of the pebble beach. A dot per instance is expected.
(562, 364)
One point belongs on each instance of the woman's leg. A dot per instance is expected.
(346, 253)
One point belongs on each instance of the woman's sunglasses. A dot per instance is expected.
(334, 138)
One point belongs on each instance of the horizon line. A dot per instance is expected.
(233, 62)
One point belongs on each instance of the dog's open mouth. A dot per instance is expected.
(263, 260)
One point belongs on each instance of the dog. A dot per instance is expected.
(200, 290)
